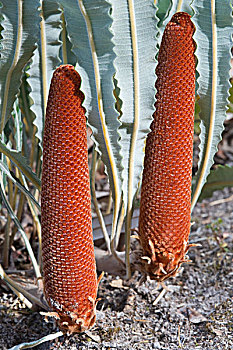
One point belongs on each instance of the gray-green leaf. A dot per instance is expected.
(44, 62)
(217, 180)
(20, 31)
(135, 31)
(11, 176)
(213, 21)
(88, 25)
(167, 8)
(21, 162)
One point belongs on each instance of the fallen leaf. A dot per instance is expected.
(196, 317)
(118, 284)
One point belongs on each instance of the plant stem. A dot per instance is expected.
(95, 202)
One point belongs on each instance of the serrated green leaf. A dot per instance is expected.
(135, 37)
(135, 31)
(217, 180)
(18, 137)
(21, 162)
(88, 25)
(213, 21)
(45, 61)
(21, 24)
(167, 8)
(164, 7)
(66, 54)
(20, 228)
(11, 176)
(24, 103)
(18, 140)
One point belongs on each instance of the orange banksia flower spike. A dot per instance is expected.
(69, 270)
(165, 208)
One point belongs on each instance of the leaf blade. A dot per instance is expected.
(135, 38)
(167, 8)
(11, 176)
(20, 29)
(217, 180)
(88, 24)
(213, 36)
(21, 162)
(135, 43)
(44, 62)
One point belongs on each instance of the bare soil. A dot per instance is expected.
(195, 312)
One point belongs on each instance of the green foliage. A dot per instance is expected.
(167, 8)
(21, 162)
(213, 36)
(217, 180)
(88, 24)
(134, 28)
(44, 61)
(20, 31)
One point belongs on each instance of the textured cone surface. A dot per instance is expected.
(70, 283)
(165, 208)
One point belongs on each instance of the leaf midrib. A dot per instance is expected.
(213, 105)
(14, 62)
(101, 112)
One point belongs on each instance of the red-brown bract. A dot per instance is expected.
(165, 208)
(69, 270)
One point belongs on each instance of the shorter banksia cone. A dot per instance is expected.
(165, 208)
(70, 283)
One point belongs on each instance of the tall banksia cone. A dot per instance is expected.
(165, 208)
(70, 283)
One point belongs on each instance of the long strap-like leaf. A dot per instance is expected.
(88, 23)
(217, 180)
(66, 54)
(20, 228)
(20, 31)
(21, 162)
(134, 28)
(167, 8)
(135, 32)
(213, 21)
(11, 176)
(44, 61)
